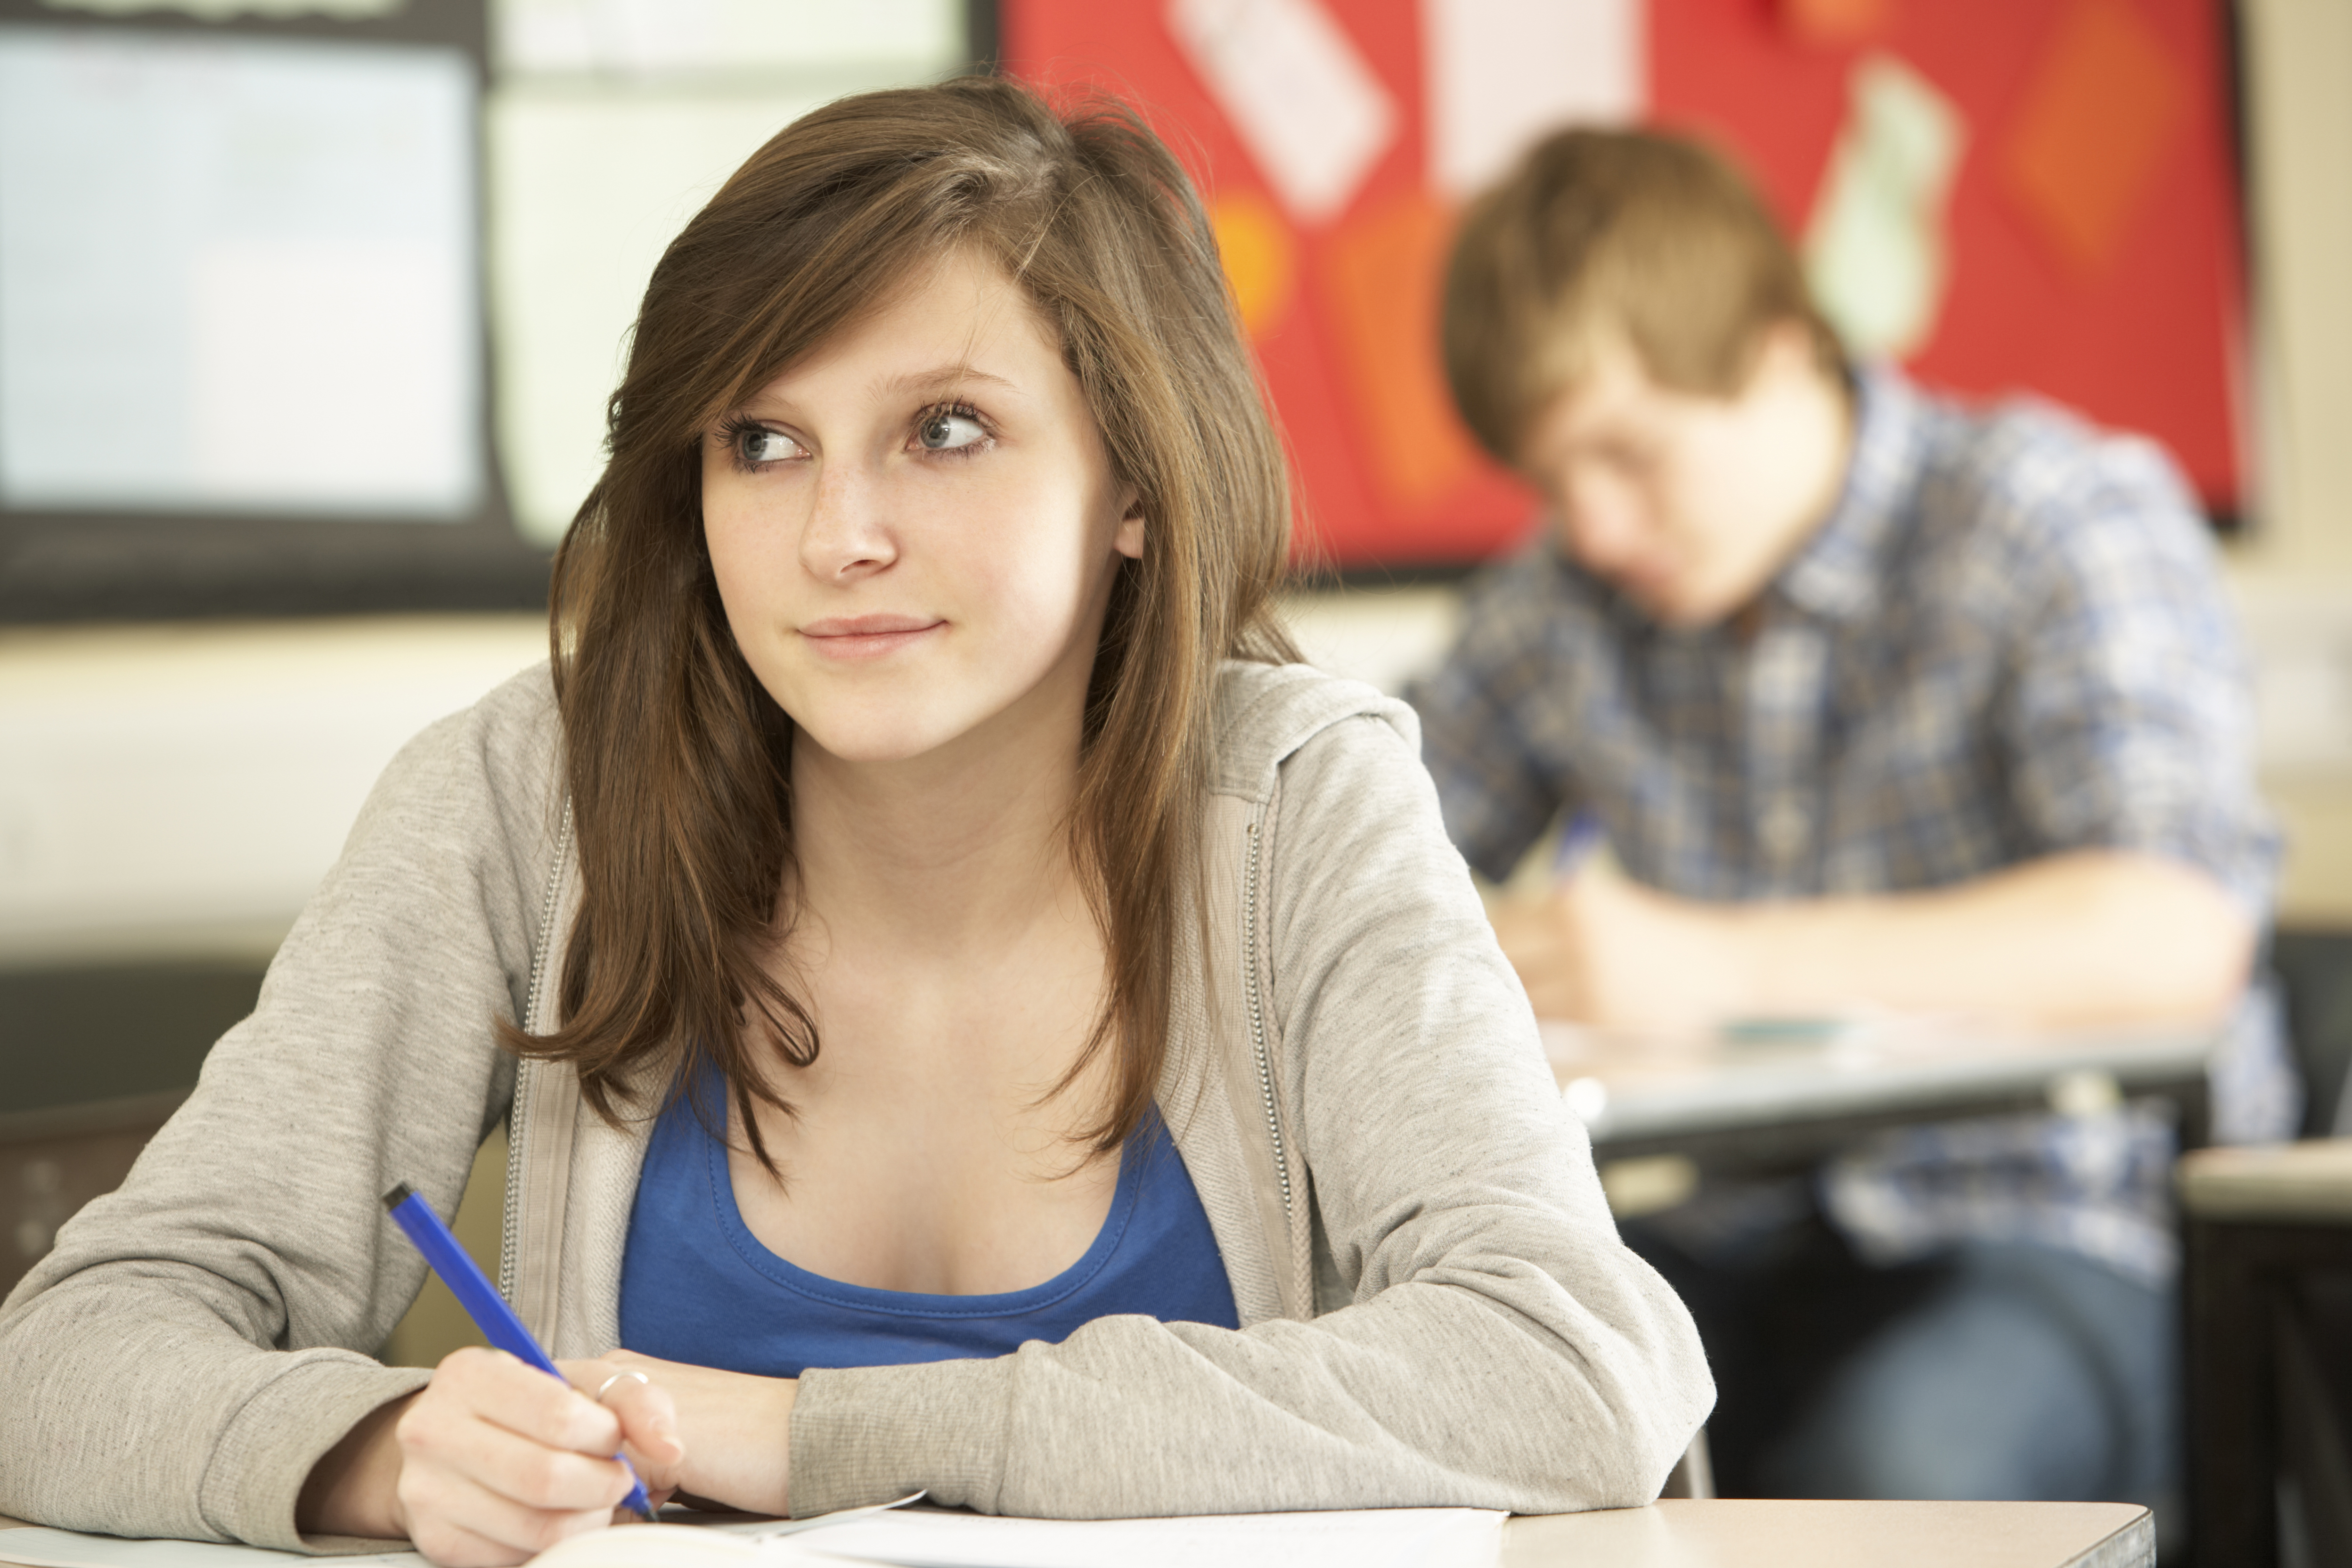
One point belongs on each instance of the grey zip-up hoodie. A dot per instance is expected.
(1436, 1307)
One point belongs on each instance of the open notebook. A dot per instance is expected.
(908, 1538)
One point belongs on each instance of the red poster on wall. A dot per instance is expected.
(2004, 196)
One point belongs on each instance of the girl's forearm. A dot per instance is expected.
(354, 1489)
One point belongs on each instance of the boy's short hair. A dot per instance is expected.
(1653, 235)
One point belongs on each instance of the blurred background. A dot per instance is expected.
(309, 309)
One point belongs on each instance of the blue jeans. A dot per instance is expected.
(1992, 1371)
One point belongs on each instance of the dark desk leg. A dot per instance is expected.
(2242, 1284)
(2232, 1448)
(2317, 1506)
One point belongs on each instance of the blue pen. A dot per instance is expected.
(483, 1303)
(1578, 840)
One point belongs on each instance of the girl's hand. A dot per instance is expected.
(738, 1431)
(499, 1462)
(494, 1461)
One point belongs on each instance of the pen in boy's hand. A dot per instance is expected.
(1578, 840)
(484, 1304)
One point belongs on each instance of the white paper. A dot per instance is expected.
(1502, 73)
(687, 1536)
(1359, 1538)
(237, 275)
(1875, 250)
(1310, 110)
(1346, 1538)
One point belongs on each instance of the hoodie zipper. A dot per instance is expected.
(1257, 1022)
(510, 1225)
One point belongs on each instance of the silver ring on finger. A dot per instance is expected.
(641, 1377)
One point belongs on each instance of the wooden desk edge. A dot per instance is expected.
(2289, 1183)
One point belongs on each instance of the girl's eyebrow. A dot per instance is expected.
(941, 379)
(936, 382)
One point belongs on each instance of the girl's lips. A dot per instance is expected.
(853, 637)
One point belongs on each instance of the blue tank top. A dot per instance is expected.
(698, 1286)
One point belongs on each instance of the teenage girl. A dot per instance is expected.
(972, 1011)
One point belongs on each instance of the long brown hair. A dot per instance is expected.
(679, 759)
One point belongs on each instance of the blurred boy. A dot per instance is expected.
(1879, 701)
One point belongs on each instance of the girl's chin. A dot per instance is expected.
(868, 752)
(863, 742)
(892, 724)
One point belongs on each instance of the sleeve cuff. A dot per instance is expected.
(272, 1445)
(869, 1435)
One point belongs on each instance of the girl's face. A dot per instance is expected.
(914, 529)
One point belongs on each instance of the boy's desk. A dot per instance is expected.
(1767, 1097)
(1736, 1533)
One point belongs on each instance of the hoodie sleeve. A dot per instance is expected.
(201, 1337)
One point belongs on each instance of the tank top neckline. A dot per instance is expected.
(924, 1304)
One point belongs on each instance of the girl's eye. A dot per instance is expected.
(949, 430)
(756, 444)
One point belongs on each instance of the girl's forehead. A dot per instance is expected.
(961, 318)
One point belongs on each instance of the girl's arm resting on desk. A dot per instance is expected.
(197, 1340)
(1503, 1349)
(493, 1462)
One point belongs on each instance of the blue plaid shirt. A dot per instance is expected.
(2008, 640)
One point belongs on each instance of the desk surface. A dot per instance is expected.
(2281, 1183)
(1760, 1534)
(1771, 1534)
(1631, 1090)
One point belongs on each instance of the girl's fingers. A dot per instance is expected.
(527, 1401)
(516, 1467)
(648, 1413)
(452, 1546)
(499, 1461)
(472, 1526)
(510, 1428)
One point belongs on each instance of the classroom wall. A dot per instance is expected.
(2293, 576)
(179, 788)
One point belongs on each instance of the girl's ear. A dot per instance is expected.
(1129, 540)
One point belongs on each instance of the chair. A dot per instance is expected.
(1693, 1476)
